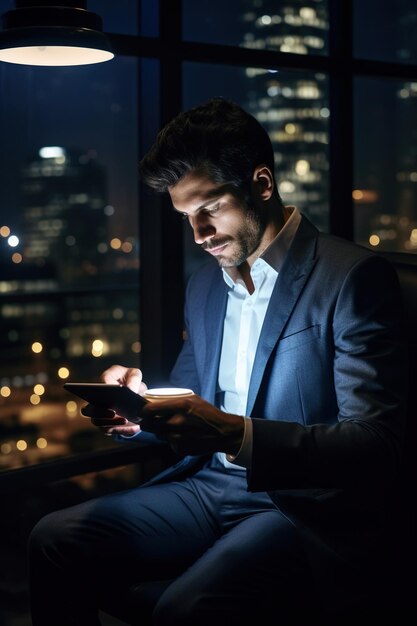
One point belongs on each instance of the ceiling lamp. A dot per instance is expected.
(50, 32)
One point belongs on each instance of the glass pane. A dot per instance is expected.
(385, 31)
(6, 5)
(118, 17)
(293, 107)
(127, 17)
(149, 18)
(297, 26)
(385, 193)
(68, 246)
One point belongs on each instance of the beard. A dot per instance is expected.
(243, 244)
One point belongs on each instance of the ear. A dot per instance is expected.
(263, 182)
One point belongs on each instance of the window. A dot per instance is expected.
(69, 247)
(385, 193)
(385, 31)
(385, 122)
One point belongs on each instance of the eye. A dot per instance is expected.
(212, 210)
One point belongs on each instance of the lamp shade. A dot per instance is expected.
(43, 33)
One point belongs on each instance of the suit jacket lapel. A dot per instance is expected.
(214, 317)
(290, 282)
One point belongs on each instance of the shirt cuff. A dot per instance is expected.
(244, 455)
(119, 437)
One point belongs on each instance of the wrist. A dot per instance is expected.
(236, 436)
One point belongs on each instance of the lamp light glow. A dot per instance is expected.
(51, 152)
(37, 33)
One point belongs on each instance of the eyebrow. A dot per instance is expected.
(199, 208)
(213, 195)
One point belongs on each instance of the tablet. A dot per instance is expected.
(119, 398)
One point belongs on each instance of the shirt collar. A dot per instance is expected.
(277, 250)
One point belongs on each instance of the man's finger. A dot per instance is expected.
(107, 423)
(89, 410)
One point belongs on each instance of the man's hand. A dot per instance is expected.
(129, 376)
(109, 422)
(193, 426)
(106, 419)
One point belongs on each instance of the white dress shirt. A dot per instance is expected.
(245, 314)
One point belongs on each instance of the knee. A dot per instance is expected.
(47, 535)
(42, 533)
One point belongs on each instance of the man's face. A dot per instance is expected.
(223, 224)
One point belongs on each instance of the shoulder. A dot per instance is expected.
(332, 256)
(338, 262)
(361, 280)
(346, 256)
(339, 247)
(338, 253)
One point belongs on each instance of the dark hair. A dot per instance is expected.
(218, 137)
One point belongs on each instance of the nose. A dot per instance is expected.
(202, 227)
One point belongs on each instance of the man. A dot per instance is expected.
(290, 445)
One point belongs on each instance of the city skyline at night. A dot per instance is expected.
(80, 297)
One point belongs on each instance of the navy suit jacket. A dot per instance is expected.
(327, 390)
